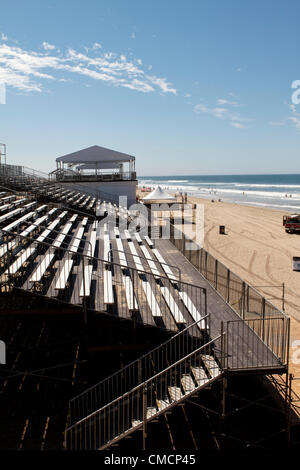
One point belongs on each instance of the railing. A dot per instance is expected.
(119, 176)
(22, 176)
(65, 280)
(245, 351)
(135, 408)
(138, 371)
(244, 299)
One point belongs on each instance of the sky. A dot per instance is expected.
(187, 87)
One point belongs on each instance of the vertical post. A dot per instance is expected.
(228, 286)
(288, 408)
(216, 274)
(222, 346)
(243, 300)
(283, 295)
(263, 311)
(223, 397)
(84, 296)
(144, 415)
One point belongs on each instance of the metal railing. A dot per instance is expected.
(256, 343)
(139, 370)
(152, 397)
(118, 176)
(245, 300)
(241, 296)
(65, 280)
(27, 178)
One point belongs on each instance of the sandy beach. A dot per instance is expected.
(257, 248)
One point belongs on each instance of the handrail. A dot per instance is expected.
(151, 379)
(136, 361)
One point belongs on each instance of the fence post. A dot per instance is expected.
(144, 415)
(243, 300)
(228, 286)
(222, 345)
(263, 308)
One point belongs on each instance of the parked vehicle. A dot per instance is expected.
(291, 223)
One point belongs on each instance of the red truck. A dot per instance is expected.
(291, 223)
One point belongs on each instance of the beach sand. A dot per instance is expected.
(257, 248)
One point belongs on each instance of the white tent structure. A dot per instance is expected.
(159, 195)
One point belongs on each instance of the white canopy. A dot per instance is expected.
(159, 194)
(95, 154)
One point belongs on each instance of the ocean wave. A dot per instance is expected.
(266, 194)
(177, 181)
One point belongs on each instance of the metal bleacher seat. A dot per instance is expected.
(64, 274)
(42, 267)
(150, 297)
(21, 259)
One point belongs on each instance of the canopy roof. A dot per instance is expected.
(159, 194)
(95, 154)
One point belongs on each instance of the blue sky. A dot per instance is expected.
(188, 87)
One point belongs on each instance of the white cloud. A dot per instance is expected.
(96, 45)
(187, 95)
(238, 125)
(224, 101)
(4, 37)
(132, 36)
(162, 84)
(296, 121)
(48, 47)
(28, 70)
(223, 113)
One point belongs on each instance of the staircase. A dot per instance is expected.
(155, 383)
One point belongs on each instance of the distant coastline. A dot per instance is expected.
(277, 191)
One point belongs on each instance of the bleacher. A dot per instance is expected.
(50, 251)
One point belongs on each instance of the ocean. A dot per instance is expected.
(280, 192)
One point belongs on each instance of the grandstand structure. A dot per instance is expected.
(111, 332)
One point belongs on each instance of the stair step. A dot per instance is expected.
(175, 393)
(187, 383)
(151, 411)
(135, 422)
(211, 365)
(200, 375)
(163, 403)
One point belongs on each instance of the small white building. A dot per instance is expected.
(105, 173)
